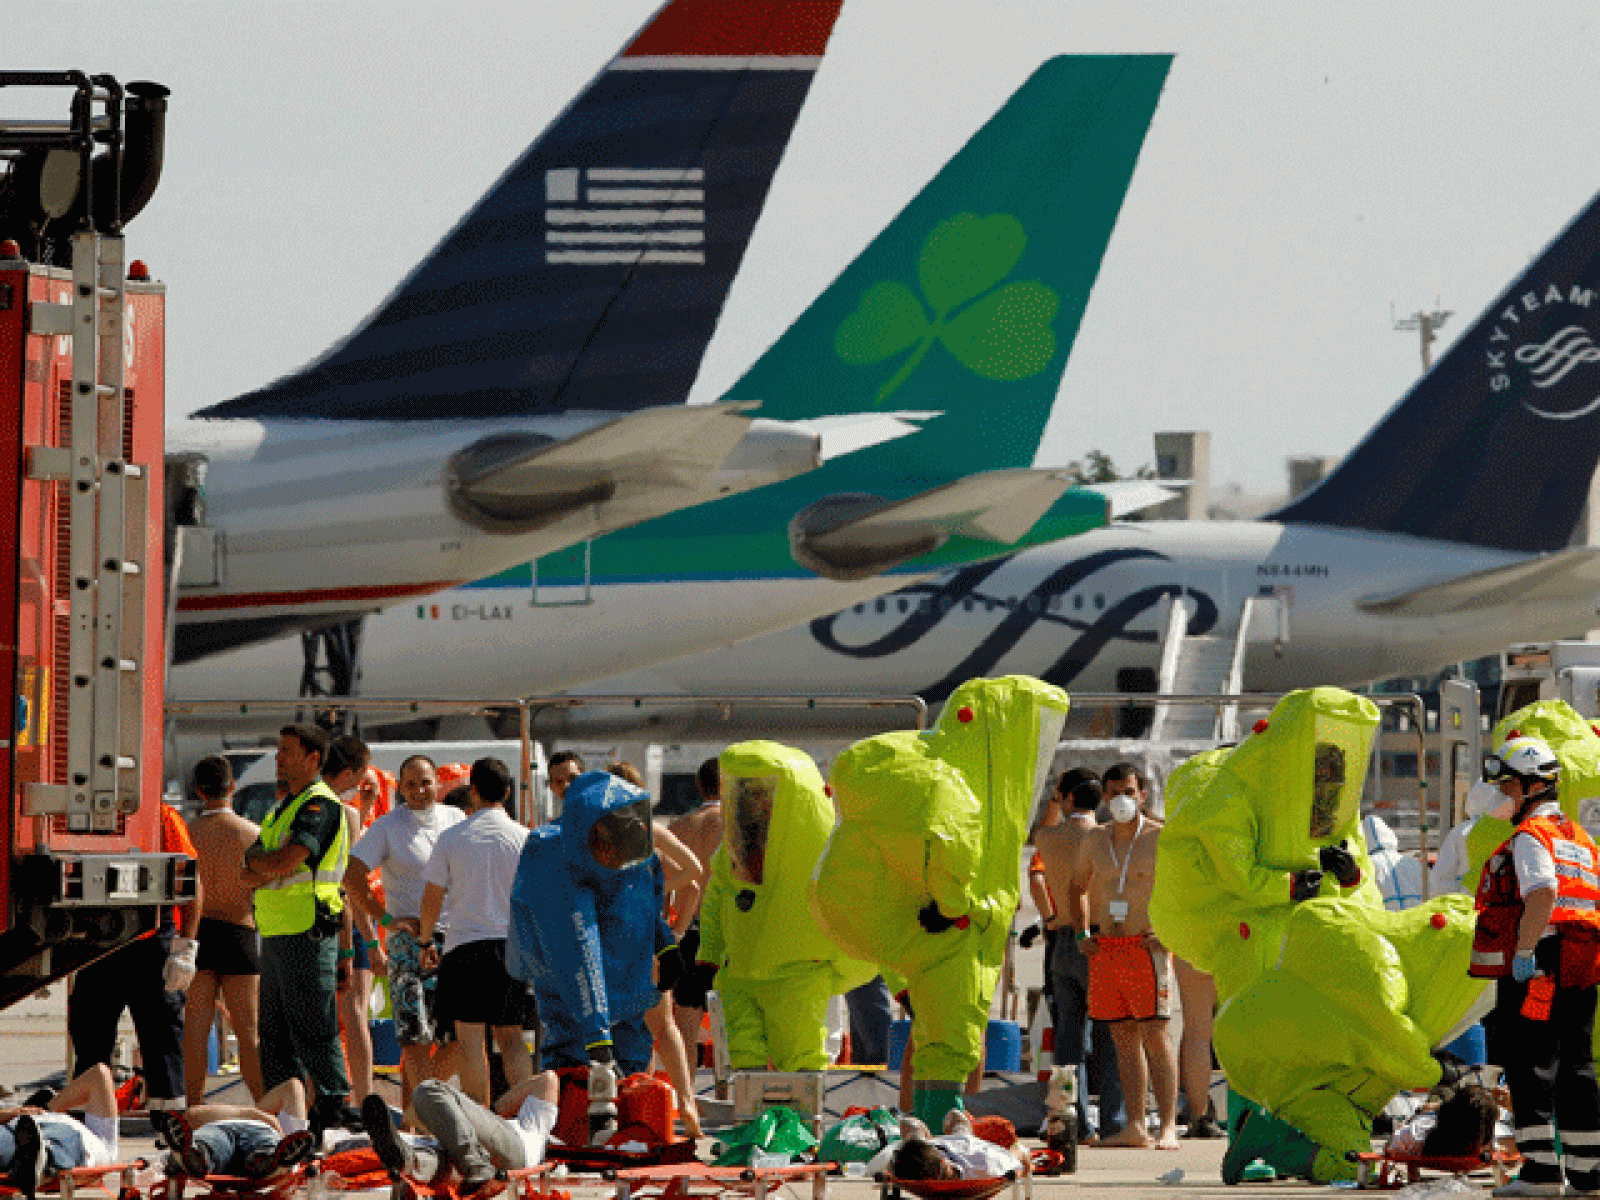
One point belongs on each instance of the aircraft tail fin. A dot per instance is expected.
(964, 309)
(1497, 444)
(592, 274)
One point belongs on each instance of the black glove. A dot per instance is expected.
(931, 919)
(669, 968)
(1303, 885)
(705, 975)
(1341, 863)
(1030, 935)
(1451, 1068)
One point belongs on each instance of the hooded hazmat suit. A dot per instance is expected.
(1329, 1005)
(778, 967)
(930, 834)
(586, 924)
(1573, 740)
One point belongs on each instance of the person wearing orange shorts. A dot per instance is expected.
(1129, 969)
(1128, 979)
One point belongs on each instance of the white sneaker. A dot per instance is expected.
(1520, 1187)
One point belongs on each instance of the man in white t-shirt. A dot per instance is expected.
(37, 1144)
(476, 1141)
(958, 1153)
(399, 845)
(474, 865)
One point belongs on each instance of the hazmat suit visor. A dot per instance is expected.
(1333, 801)
(621, 838)
(747, 802)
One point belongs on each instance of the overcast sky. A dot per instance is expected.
(1309, 167)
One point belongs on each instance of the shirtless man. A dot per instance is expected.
(701, 831)
(1077, 795)
(1115, 868)
(1197, 994)
(230, 949)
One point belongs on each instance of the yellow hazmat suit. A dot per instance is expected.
(778, 967)
(1331, 1005)
(921, 875)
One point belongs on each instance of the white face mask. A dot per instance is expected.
(1505, 807)
(1482, 797)
(1124, 808)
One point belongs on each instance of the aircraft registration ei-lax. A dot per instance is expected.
(957, 321)
(524, 387)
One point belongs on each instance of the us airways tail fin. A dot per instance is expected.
(1497, 444)
(591, 276)
(961, 314)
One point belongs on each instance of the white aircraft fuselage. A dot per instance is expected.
(1081, 611)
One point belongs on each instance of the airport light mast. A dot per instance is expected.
(1427, 326)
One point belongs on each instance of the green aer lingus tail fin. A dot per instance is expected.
(968, 303)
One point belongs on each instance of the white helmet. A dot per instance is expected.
(1523, 757)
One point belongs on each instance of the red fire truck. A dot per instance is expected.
(83, 580)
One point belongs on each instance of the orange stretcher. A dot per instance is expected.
(1389, 1169)
(979, 1188)
(676, 1181)
(235, 1187)
(67, 1183)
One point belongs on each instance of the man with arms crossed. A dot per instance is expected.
(399, 845)
(1115, 867)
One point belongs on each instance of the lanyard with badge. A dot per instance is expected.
(1119, 906)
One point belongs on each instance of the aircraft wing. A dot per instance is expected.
(1563, 576)
(1126, 496)
(854, 536)
(716, 449)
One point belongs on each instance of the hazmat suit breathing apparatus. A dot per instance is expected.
(920, 876)
(778, 967)
(586, 923)
(1329, 1003)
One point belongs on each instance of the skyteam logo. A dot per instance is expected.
(1554, 366)
(606, 215)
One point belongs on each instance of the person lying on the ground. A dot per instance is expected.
(475, 1141)
(37, 1144)
(237, 1139)
(1455, 1122)
(958, 1153)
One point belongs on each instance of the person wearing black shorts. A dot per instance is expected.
(228, 949)
(474, 864)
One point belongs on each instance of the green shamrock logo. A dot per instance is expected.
(1004, 335)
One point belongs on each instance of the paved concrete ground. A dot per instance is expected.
(33, 1046)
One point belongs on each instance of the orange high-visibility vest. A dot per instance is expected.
(1499, 899)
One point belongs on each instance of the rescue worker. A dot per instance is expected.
(920, 875)
(778, 967)
(585, 924)
(296, 867)
(1537, 904)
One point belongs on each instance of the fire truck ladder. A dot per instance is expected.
(107, 505)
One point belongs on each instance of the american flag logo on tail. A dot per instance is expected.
(598, 215)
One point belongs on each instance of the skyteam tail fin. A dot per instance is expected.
(965, 308)
(1495, 446)
(592, 274)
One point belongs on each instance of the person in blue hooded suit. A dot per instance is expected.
(586, 927)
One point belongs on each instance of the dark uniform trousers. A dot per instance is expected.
(1549, 1068)
(130, 978)
(299, 1021)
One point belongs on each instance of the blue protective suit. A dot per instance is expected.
(585, 935)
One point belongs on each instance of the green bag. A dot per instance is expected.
(776, 1133)
(859, 1138)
